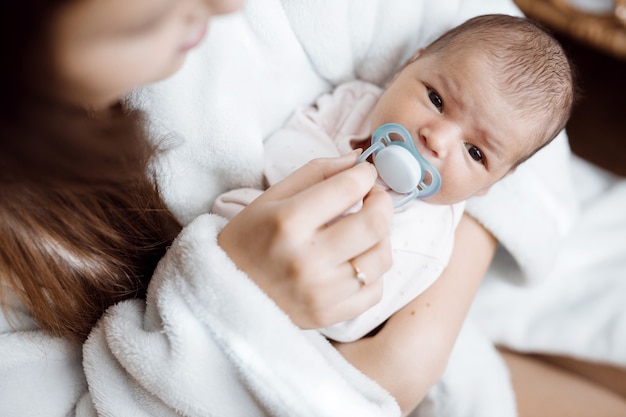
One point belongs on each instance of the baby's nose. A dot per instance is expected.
(441, 136)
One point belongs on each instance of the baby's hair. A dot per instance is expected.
(531, 67)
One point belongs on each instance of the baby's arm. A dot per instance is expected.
(410, 353)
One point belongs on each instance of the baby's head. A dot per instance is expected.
(480, 100)
(528, 66)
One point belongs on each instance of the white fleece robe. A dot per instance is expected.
(208, 342)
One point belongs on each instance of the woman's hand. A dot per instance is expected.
(293, 243)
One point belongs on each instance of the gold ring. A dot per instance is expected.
(358, 274)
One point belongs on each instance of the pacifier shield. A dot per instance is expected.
(400, 165)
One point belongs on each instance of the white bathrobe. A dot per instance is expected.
(208, 342)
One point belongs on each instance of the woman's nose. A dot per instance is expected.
(440, 136)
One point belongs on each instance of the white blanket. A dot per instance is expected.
(562, 220)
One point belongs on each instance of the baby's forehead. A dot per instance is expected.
(466, 64)
(513, 135)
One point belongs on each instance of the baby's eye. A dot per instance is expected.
(475, 153)
(435, 99)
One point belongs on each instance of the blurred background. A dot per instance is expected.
(596, 42)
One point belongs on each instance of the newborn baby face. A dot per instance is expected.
(458, 120)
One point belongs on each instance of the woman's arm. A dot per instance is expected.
(411, 351)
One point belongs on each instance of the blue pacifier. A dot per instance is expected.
(400, 165)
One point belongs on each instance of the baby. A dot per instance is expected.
(477, 102)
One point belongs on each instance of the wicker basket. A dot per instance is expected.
(605, 32)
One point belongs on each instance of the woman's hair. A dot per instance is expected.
(531, 67)
(82, 225)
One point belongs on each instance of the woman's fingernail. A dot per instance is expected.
(354, 153)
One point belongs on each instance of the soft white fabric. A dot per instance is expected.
(207, 339)
(422, 234)
(578, 307)
(208, 343)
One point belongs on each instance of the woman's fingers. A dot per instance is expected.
(337, 194)
(309, 174)
(358, 243)
(360, 296)
(358, 299)
(357, 232)
(329, 186)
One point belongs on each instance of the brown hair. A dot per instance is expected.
(82, 225)
(531, 67)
